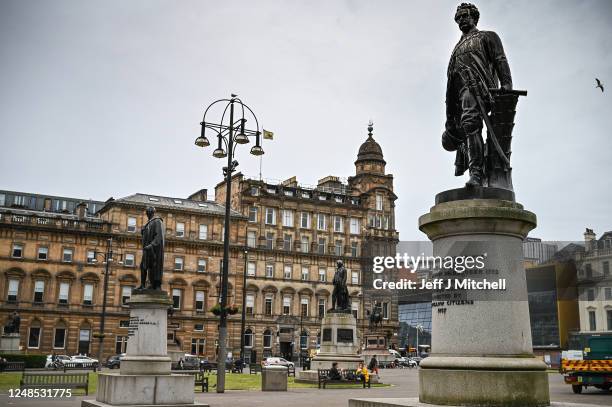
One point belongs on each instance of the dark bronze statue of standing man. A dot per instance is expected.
(152, 264)
(477, 64)
(340, 297)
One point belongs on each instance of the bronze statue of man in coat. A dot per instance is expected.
(152, 264)
(340, 297)
(478, 63)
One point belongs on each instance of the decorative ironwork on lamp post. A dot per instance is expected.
(229, 133)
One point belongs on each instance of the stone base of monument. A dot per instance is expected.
(9, 343)
(414, 402)
(145, 378)
(338, 342)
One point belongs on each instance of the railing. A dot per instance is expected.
(594, 253)
(53, 222)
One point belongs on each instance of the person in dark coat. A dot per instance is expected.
(334, 373)
(152, 264)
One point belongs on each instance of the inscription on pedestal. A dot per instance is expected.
(345, 335)
(135, 322)
(327, 335)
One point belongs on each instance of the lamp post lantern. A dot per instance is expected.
(230, 133)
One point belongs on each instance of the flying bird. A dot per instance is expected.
(599, 85)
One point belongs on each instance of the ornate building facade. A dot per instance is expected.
(285, 240)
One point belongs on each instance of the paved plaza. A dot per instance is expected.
(404, 384)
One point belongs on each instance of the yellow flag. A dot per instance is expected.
(268, 135)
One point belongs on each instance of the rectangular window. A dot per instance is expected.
(269, 240)
(385, 224)
(338, 248)
(321, 221)
(91, 256)
(67, 256)
(198, 327)
(88, 294)
(199, 301)
(39, 290)
(126, 294)
(321, 246)
(34, 337)
(270, 216)
(385, 310)
(251, 268)
(354, 249)
(13, 290)
(355, 308)
(120, 344)
(19, 200)
(287, 272)
(198, 346)
(178, 263)
(589, 270)
(17, 251)
(250, 304)
(305, 244)
(379, 202)
(64, 291)
(338, 224)
(129, 260)
(176, 298)
(322, 274)
(268, 306)
(304, 307)
(287, 218)
(131, 224)
(286, 305)
(180, 229)
(608, 293)
(59, 338)
(355, 277)
(321, 307)
(606, 268)
(354, 226)
(305, 220)
(251, 239)
(590, 294)
(609, 318)
(592, 321)
(201, 265)
(269, 270)
(43, 253)
(203, 232)
(252, 214)
(305, 273)
(2, 199)
(287, 242)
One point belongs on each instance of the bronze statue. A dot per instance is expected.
(152, 263)
(376, 317)
(477, 65)
(14, 324)
(340, 296)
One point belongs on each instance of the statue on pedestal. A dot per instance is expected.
(340, 296)
(152, 264)
(14, 324)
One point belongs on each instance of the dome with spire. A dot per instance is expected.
(370, 150)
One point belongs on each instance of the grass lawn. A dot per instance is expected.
(233, 381)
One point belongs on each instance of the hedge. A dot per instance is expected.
(31, 361)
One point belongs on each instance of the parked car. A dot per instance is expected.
(82, 359)
(188, 362)
(114, 362)
(403, 361)
(277, 362)
(59, 359)
(417, 359)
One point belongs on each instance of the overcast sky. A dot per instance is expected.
(104, 98)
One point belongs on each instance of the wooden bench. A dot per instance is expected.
(13, 367)
(80, 366)
(290, 371)
(201, 380)
(55, 381)
(254, 368)
(323, 379)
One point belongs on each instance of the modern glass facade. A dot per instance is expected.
(412, 315)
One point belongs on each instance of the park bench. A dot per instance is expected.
(323, 379)
(80, 366)
(13, 367)
(55, 381)
(290, 371)
(201, 380)
(254, 368)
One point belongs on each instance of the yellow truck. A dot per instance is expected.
(591, 367)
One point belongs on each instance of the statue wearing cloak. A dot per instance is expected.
(152, 264)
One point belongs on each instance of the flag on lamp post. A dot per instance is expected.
(268, 135)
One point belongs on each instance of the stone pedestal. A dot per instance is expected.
(338, 342)
(145, 378)
(274, 378)
(9, 343)
(481, 340)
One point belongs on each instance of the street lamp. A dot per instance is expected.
(243, 316)
(419, 328)
(108, 258)
(229, 134)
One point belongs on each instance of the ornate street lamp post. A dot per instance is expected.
(229, 134)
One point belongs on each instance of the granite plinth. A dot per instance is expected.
(338, 342)
(274, 378)
(481, 345)
(9, 343)
(459, 194)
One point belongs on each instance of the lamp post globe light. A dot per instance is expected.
(230, 132)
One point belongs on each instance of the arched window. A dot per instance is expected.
(84, 338)
(304, 339)
(248, 338)
(267, 339)
(59, 335)
(34, 334)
